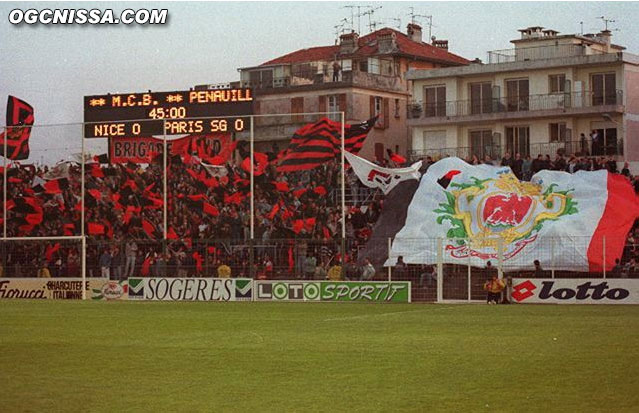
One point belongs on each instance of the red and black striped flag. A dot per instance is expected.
(19, 120)
(319, 142)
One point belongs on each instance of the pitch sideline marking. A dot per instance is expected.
(356, 317)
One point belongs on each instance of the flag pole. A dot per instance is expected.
(164, 226)
(82, 183)
(4, 185)
(343, 190)
(252, 198)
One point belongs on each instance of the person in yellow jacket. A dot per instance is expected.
(44, 272)
(493, 288)
(224, 271)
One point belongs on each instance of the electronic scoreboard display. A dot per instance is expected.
(171, 113)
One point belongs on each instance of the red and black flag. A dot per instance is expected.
(316, 143)
(19, 122)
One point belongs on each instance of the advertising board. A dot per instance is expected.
(190, 289)
(325, 291)
(575, 291)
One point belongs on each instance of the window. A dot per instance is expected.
(373, 65)
(481, 98)
(604, 89)
(397, 108)
(297, 106)
(347, 65)
(434, 101)
(363, 66)
(481, 144)
(557, 83)
(380, 108)
(333, 106)
(261, 78)
(606, 143)
(518, 140)
(517, 97)
(557, 132)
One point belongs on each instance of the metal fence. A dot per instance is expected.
(440, 278)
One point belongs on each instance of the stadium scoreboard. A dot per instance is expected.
(171, 113)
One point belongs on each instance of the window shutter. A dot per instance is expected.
(341, 104)
(372, 106)
(322, 104)
(386, 112)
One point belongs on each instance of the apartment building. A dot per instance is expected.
(536, 98)
(370, 82)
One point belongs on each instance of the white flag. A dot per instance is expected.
(61, 170)
(386, 179)
(215, 170)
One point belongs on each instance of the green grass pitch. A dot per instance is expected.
(160, 356)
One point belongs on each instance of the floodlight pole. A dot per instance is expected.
(343, 162)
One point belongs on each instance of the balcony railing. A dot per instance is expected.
(542, 52)
(585, 148)
(313, 78)
(528, 103)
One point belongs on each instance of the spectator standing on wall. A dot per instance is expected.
(105, 263)
(400, 268)
(43, 272)
(526, 168)
(517, 166)
(117, 264)
(507, 160)
(537, 164)
(584, 145)
(131, 250)
(368, 271)
(309, 267)
(539, 272)
(596, 142)
(560, 163)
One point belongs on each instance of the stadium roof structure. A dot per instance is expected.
(368, 45)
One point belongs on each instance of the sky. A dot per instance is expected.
(53, 67)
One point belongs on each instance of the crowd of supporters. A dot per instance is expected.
(208, 217)
(297, 221)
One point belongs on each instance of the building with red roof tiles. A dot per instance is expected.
(361, 76)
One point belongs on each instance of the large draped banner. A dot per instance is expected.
(572, 222)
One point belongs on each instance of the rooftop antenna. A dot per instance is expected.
(427, 17)
(397, 21)
(359, 15)
(606, 21)
(340, 29)
(370, 13)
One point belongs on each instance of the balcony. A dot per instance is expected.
(585, 148)
(523, 54)
(513, 107)
(313, 80)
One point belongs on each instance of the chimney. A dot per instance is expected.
(605, 36)
(414, 32)
(348, 43)
(440, 44)
(386, 42)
